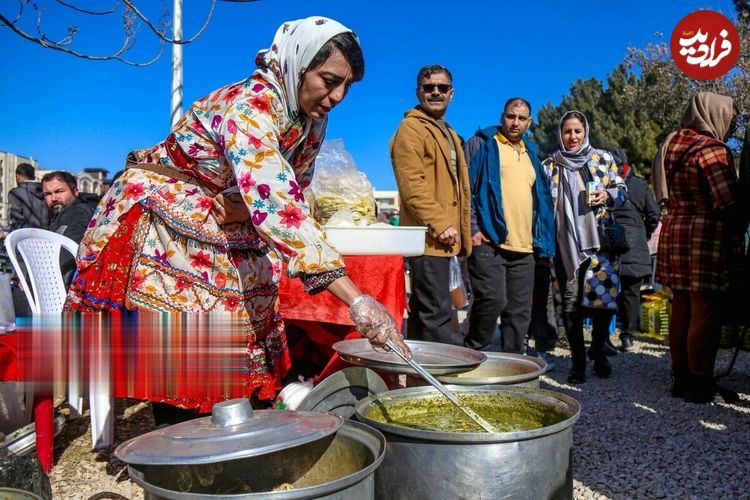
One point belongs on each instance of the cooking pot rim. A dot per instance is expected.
(562, 401)
(350, 428)
(540, 367)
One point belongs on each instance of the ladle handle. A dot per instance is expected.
(440, 387)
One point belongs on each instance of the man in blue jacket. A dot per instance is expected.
(514, 223)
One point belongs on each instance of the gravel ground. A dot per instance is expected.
(632, 440)
(82, 473)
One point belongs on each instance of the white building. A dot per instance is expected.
(91, 180)
(386, 200)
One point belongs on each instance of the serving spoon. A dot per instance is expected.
(440, 387)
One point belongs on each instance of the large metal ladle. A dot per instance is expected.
(440, 387)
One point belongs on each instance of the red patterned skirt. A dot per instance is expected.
(102, 286)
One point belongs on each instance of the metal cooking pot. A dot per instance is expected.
(533, 464)
(502, 368)
(16, 494)
(239, 453)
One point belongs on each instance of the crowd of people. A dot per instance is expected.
(569, 232)
(201, 221)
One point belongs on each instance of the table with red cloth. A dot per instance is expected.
(315, 322)
(192, 361)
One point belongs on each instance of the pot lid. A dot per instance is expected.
(234, 430)
(436, 358)
(341, 391)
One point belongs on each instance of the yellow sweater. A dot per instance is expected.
(517, 180)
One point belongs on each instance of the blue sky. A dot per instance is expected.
(70, 114)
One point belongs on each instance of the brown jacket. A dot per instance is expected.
(429, 192)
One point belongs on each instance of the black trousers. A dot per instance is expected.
(543, 327)
(503, 284)
(573, 315)
(629, 305)
(430, 307)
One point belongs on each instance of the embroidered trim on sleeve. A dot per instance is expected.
(316, 283)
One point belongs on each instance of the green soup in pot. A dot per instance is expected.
(506, 412)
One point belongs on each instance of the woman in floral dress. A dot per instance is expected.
(588, 278)
(201, 222)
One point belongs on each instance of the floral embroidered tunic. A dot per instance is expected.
(187, 261)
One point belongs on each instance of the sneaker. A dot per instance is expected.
(549, 359)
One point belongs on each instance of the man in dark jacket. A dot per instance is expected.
(639, 215)
(512, 203)
(27, 207)
(70, 216)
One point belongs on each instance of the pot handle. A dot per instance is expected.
(231, 412)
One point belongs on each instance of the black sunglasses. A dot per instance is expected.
(429, 88)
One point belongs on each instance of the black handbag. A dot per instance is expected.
(612, 238)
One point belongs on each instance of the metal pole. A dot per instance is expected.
(176, 102)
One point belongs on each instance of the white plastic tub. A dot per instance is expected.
(377, 240)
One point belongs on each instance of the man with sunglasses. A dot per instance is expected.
(433, 185)
(512, 205)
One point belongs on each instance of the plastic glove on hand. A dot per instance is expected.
(375, 322)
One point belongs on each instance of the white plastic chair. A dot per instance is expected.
(40, 251)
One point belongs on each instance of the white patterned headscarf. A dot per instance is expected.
(294, 46)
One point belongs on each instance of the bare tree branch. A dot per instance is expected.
(20, 11)
(160, 33)
(50, 45)
(72, 30)
(132, 21)
(93, 13)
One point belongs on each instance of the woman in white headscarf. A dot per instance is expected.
(588, 279)
(201, 222)
(701, 245)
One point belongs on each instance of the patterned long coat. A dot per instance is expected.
(602, 282)
(700, 246)
(237, 135)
